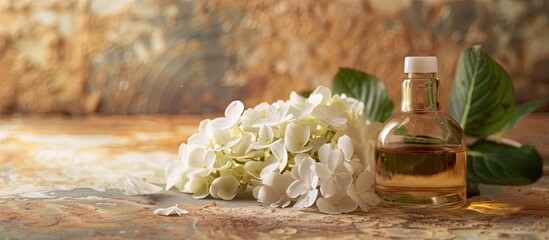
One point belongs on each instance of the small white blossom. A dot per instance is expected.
(273, 189)
(338, 203)
(363, 191)
(305, 184)
(331, 170)
(331, 116)
(275, 115)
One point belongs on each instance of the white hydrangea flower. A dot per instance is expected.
(304, 185)
(288, 151)
(331, 170)
(265, 139)
(275, 115)
(337, 204)
(331, 116)
(362, 192)
(273, 189)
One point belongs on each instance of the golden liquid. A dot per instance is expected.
(421, 177)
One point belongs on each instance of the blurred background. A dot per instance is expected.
(125, 57)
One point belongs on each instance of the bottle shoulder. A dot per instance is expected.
(418, 117)
(426, 128)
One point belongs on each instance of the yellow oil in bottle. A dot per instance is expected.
(421, 177)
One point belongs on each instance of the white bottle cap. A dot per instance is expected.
(420, 64)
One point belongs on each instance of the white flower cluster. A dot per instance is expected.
(304, 150)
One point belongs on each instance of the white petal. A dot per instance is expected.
(282, 202)
(296, 137)
(231, 143)
(297, 188)
(338, 123)
(347, 204)
(326, 206)
(184, 151)
(351, 192)
(321, 170)
(209, 159)
(234, 110)
(301, 150)
(364, 181)
(325, 92)
(306, 110)
(198, 186)
(173, 172)
(196, 157)
(241, 147)
(258, 145)
(296, 99)
(253, 168)
(224, 187)
(371, 198)
(140, 187)
(344, 143)
(315, 99)
(335, 160)
(324, 153)
(222, 164)
(199, 140)
(305, 171)
(265, 134)
(306, 200)
(344, 180)
(175, 210)
(267, 195)
(279, 151)
(328, 188)
(270, 168)
(205, 127)
(221, 123)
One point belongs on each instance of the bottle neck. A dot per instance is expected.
(420, 93)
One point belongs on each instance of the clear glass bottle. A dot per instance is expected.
(420, 151)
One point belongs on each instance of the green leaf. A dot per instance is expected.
(524, 110)
(501, 164)
(366, 88)
(482, 99)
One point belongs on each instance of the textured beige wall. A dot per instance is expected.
(172, 56)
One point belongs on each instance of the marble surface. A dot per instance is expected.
(63, 178)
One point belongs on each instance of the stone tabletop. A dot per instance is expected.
(64, 178)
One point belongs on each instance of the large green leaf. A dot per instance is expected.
(366, 88)
(495, 163)
(524, 110)
(482, 99)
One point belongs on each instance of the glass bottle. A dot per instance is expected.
(420, 151)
